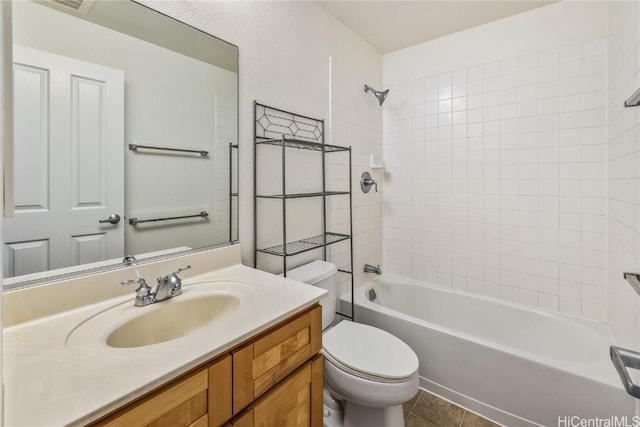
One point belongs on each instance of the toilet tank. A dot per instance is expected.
(323, 275)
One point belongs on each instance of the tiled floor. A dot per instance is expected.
(428, 410)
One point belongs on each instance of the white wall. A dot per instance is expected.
(284, 52)
(495, 145)
(5, 43)
(623, 308)
(546, 27)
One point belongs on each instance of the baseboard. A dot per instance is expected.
(489, 412)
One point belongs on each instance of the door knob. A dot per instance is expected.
(113, 219)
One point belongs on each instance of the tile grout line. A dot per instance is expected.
(420, 394)
(464, 414)
(431, 424)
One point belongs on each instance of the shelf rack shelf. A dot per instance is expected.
(287, 130)
(304, 245)
(302, 195)
(301, 145)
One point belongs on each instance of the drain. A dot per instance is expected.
(372, 294)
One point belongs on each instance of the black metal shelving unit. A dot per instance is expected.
(276, 127)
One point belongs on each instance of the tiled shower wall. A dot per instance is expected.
(495, 179)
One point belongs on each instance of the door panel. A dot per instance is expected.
(88, 112)
(32, 131)
(69, 162)
(26, 257)
(89, 248)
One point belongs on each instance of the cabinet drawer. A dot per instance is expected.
(295, 402)
(262, 363)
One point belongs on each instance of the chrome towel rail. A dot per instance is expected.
(634, 280)
(623, 358)
(136, 221)
(134, 147)
(633, 100)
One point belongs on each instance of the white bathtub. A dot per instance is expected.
(514, 365)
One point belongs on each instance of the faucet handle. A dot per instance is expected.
(173, 281)
(177, 282)
(366, 182)
(181, 269)
(144, 294)
(139, 281)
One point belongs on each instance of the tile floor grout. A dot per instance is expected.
(440, 413)
(462, 419)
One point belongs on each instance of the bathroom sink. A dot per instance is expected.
(202, 309)
(172, 319)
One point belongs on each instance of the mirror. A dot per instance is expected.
(125, 137)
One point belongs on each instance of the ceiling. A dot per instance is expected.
(395, 24)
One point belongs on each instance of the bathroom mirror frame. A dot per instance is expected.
(80, 270)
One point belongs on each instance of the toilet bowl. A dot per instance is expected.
(369, 371)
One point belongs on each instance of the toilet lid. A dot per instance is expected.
(370, 351)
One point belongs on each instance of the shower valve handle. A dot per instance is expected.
(372, 182)
(366, 182)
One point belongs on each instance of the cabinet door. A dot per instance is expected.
(199, 399)
(220, 392)
(182, 403)
(295, 402)
(261, 364)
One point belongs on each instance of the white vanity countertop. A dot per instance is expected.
(48, 384)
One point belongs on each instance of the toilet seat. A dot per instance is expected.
(369, 353)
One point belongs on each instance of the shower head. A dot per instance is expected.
(380, 95)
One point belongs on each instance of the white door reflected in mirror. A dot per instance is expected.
(69, 128)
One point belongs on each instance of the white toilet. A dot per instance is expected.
(371, 372)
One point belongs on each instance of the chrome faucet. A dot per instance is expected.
(168, 286)
(368, 268)
(129, 260)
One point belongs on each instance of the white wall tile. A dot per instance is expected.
(593, 48)
(444, 79)
(516, 153)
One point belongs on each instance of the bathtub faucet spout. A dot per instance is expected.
(368, 268)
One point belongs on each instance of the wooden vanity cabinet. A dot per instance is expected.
(296, 401)
(272, 379)
(260, 364)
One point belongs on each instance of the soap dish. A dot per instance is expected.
(376, 162)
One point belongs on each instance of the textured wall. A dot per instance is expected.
(284, 62)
